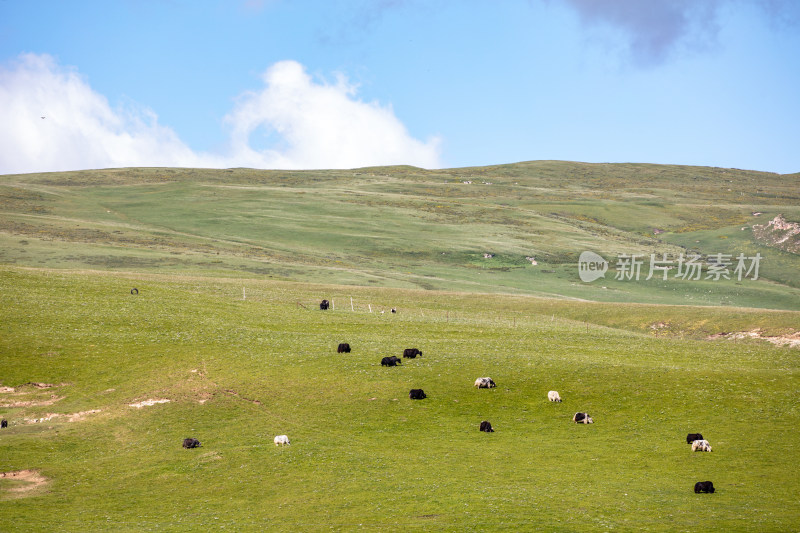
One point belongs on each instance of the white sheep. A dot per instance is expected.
(281, 440)
(553, 396)
(485, 383)
(701, 446)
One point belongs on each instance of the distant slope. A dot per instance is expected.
(414, 228)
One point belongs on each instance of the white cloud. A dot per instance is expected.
(79, 129)
(312, 125)
(322, 126)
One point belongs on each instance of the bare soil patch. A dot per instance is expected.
(25, 395)
(237, 395)
(41, 385)
(21, 483)
(204, 396)
(31, 403)
(71, 417)
(148, 403)
(791, 340)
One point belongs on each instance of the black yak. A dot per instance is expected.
(582, 418)
(703, 486)
(691, 437)
(191, 443)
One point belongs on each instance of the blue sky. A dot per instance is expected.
(431, 83)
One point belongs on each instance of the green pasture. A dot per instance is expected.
(242, 360)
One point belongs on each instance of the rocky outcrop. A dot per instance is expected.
(779, 233)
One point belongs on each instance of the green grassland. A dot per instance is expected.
(406, 227)
(238, 371)
(230, 266)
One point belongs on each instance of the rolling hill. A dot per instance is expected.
(407, 227)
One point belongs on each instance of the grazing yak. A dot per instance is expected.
(3, 423)
(191, 443)
(417, 394)
(704, 486)
(691, 437)
(390, 361)
(485, 383)
(281, 440)
(701, 445)
(582, 418)
(324, 304)
(486, 426)
(411, 353)
(553, 396)
(343, 348)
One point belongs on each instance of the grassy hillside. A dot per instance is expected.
(406, 227)
(225, 342)
(238, 371)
